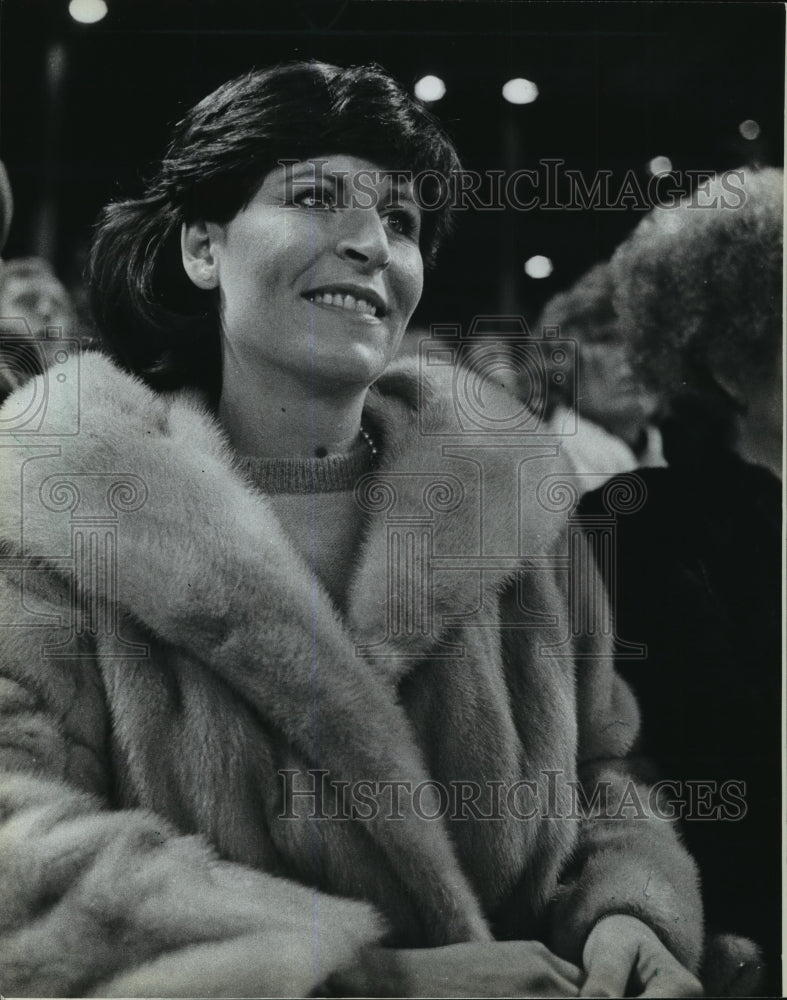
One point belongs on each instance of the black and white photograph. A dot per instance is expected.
(391, 506)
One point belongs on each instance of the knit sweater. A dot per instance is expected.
(314, 500)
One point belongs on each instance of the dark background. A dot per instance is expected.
(85, 109)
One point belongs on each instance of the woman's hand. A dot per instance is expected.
(474, 969)
(622, 951)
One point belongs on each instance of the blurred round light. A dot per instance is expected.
(87, 11)
(749, 129)
(538, 266)
(660, 165)
(429, 88)
(520, 91)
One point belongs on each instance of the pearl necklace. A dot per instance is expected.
(370, 441)
(322, 452)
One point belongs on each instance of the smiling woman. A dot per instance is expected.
(258, 736)
(314, 301)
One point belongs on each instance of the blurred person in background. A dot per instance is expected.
(30, 289)
(35, 314)
(697, 573)
(614, 414)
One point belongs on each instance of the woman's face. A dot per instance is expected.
(609, 391)
(320, 273)
(39, 299)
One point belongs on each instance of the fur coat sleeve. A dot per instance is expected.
(629, 858)
(117, 903)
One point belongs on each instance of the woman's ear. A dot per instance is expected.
(198, 251)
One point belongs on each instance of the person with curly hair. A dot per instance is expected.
(700, 289)
(696, 575)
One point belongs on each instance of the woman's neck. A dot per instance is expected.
(276, 416)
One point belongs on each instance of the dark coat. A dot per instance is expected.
(698, 582)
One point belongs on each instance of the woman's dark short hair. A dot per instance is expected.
(150, 315)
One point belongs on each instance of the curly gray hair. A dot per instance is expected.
(699, 286)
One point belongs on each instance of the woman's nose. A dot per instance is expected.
(363, 239)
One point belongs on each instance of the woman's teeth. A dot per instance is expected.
(344, 302)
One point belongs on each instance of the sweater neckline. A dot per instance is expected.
(330, 474)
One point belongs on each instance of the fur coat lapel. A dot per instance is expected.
(437, 474)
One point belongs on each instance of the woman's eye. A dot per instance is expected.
(403, 223)
(323, 200)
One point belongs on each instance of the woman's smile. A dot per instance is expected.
(360, 303)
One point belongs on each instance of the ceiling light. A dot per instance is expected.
(87, 11)
(520, 91)
(429, 88)
(538, 266)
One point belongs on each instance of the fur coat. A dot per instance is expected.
(172, 676)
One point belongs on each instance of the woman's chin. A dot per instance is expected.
(358, 365)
